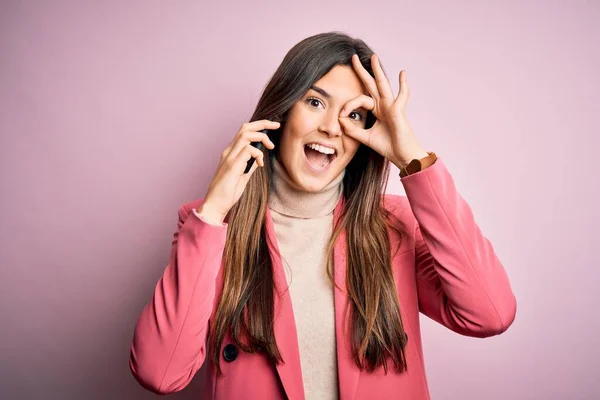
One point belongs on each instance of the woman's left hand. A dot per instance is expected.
(391, 135)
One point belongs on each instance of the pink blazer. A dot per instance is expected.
(446, 269)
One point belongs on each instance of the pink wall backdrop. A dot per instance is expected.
(112, 114)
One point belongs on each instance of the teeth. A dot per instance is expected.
(321, 149)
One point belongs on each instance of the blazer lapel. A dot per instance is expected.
(348, 372)
(290, 371)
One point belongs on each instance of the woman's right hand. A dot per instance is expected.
(229, 181)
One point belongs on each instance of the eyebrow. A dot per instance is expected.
(321, 91)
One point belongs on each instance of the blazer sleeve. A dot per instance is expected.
(461, 283)
(168, 345)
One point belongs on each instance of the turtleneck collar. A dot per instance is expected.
(285, 199)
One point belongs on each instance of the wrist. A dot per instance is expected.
(405, 158)
(210, 215)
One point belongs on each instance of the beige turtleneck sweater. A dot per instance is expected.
(303, 225)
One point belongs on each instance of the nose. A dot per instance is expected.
(330, 124)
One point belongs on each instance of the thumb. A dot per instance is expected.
(353, 131)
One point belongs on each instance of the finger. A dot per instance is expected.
(363, 101)
(352, 130)
(403, 92)
(365, 77)
(255, 126)
(246, 138)
(253, 168)
(255, 165)
(260, 125)
(240, 162)
(383, 85)
(247, 175)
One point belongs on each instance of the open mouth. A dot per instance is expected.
(318, 160)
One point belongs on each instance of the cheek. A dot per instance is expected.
(292, 134)
(302, 123)
(350, 146)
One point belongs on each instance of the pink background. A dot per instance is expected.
(112, 115)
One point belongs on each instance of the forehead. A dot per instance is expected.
(342, 83)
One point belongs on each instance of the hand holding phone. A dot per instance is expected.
(237, 165)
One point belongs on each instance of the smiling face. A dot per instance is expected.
(314, 119)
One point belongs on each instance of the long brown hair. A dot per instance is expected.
(246, 305)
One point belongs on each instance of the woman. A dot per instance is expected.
(341, 318)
